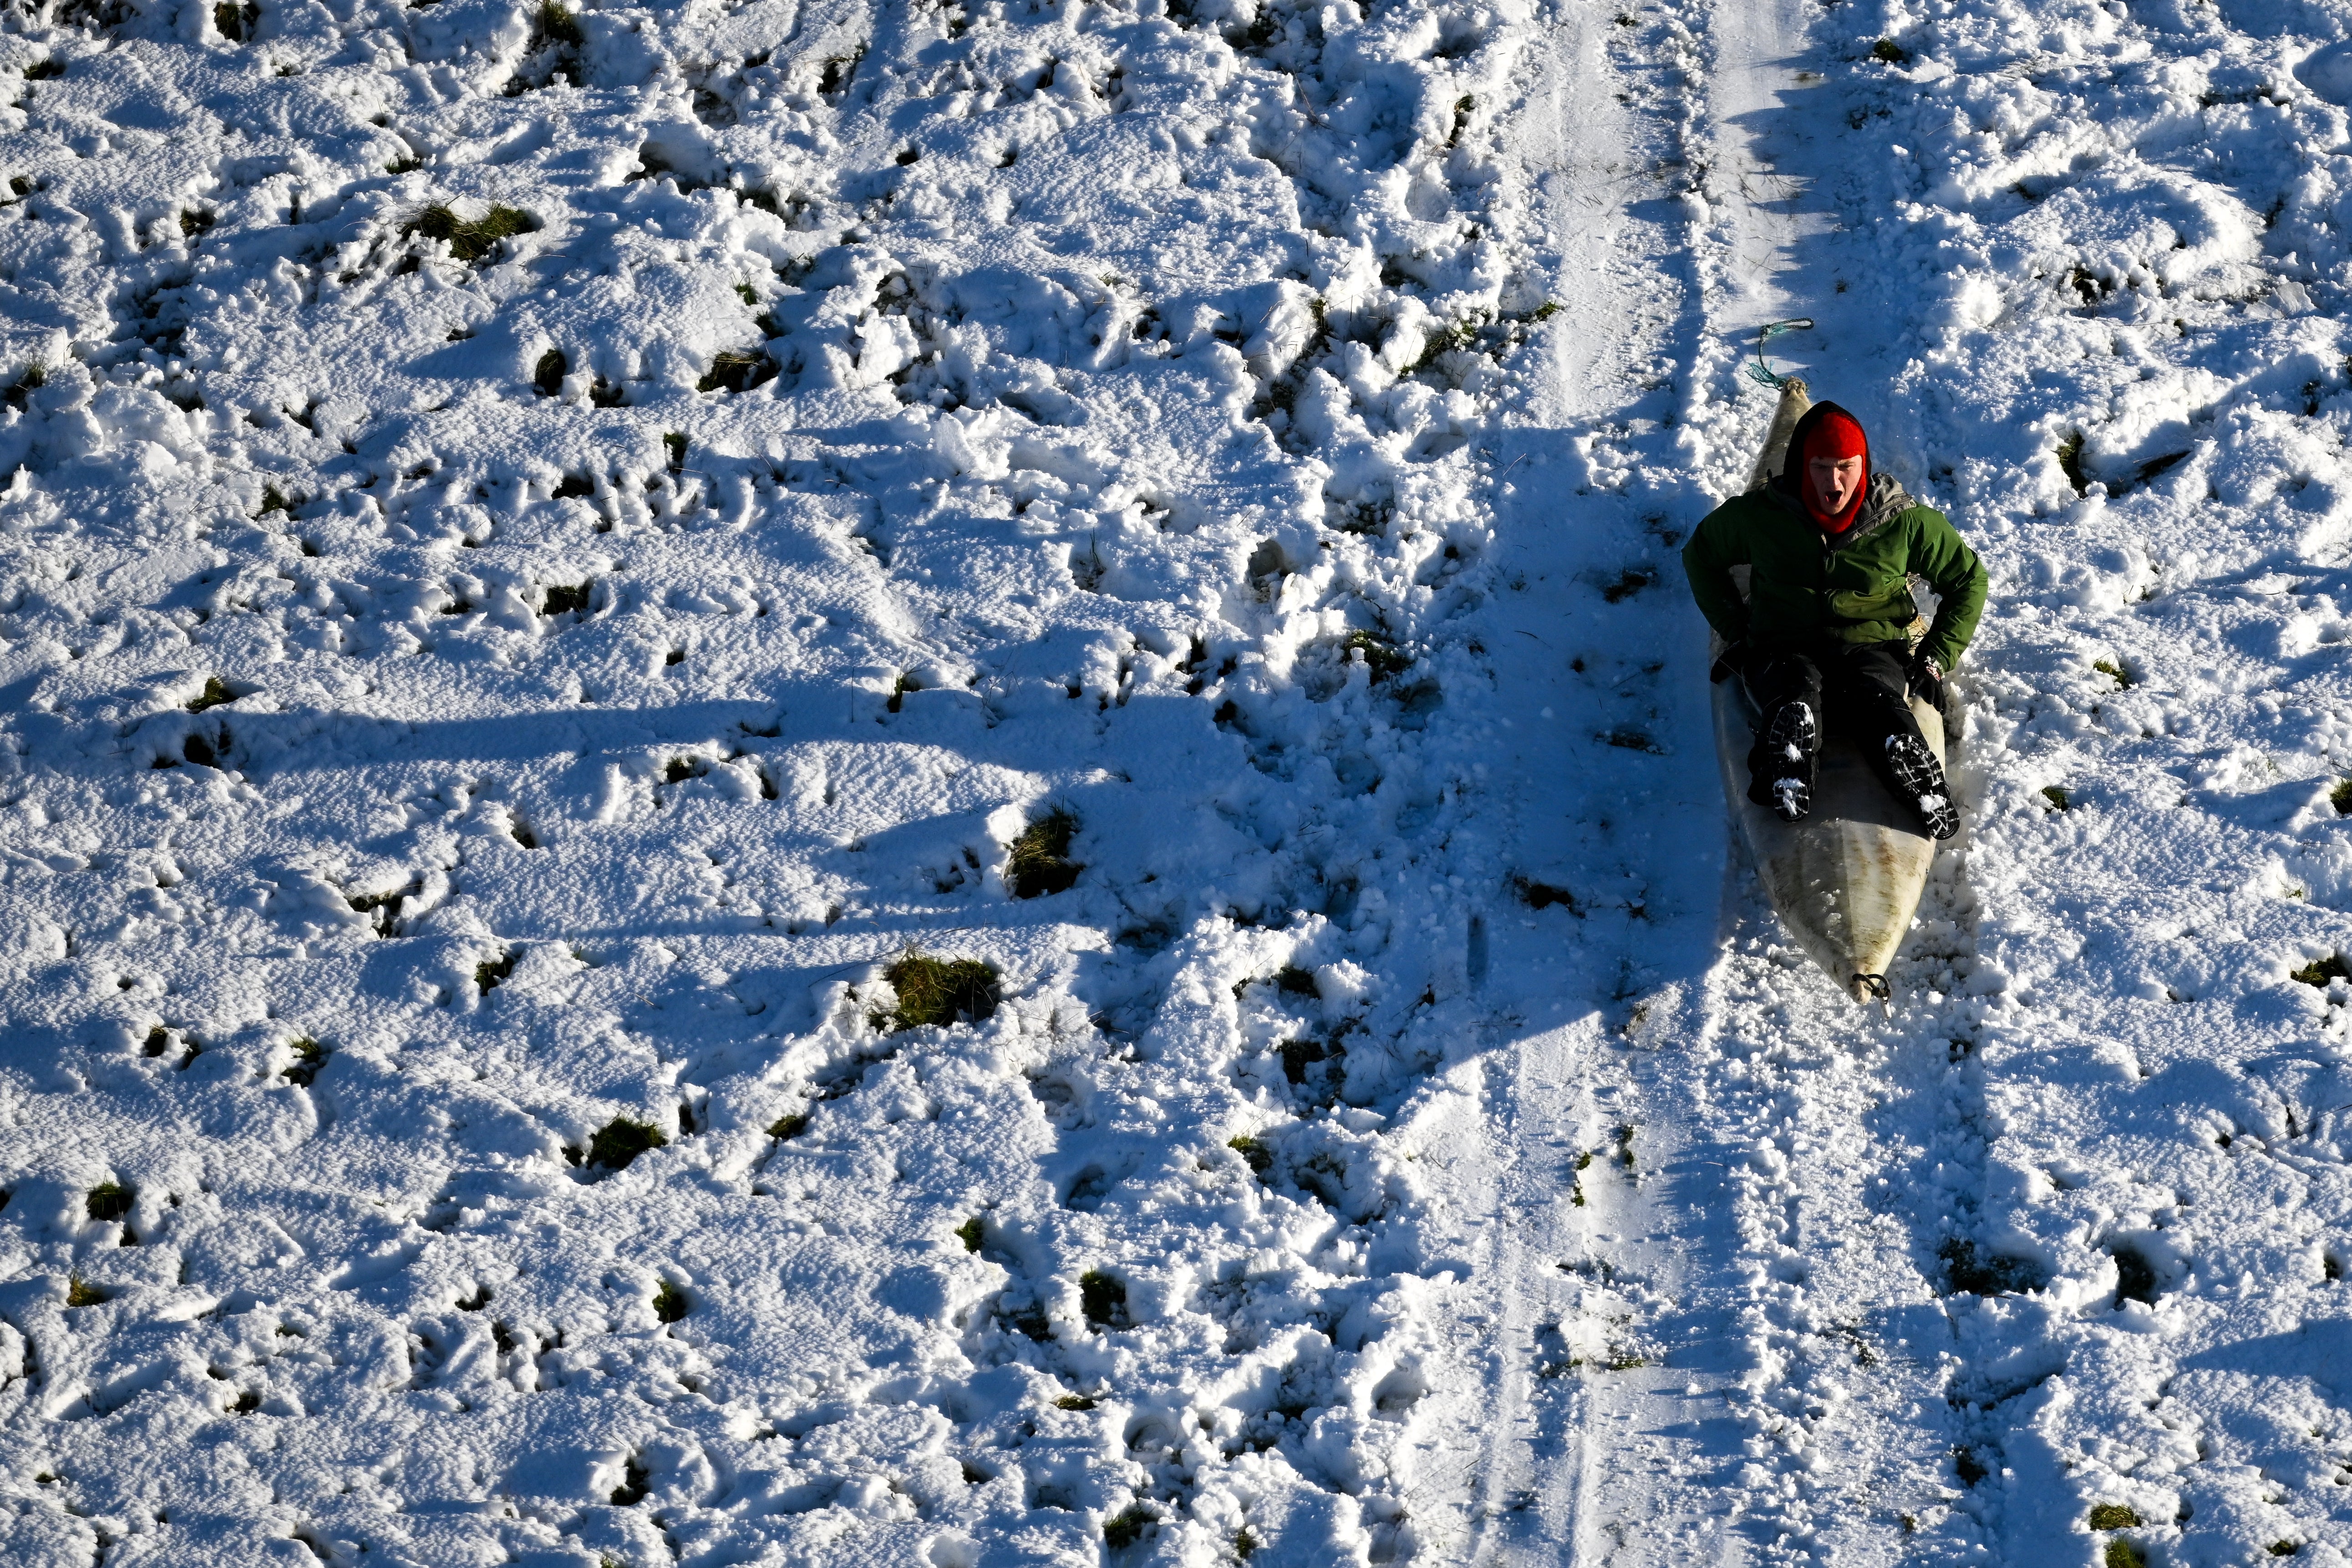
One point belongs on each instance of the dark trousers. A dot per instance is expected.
(1861, 688)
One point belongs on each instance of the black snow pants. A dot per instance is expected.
(1867, 696)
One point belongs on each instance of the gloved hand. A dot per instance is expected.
(1732, 661)
(1926, 677)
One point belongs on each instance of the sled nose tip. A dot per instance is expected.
(1868, 988)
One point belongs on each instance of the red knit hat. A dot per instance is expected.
(1833, 438)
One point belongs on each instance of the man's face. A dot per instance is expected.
(1835, 480)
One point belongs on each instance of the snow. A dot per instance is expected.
(467, 695)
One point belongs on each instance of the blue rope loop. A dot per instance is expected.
(1762, 373)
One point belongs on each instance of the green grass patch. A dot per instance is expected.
(80, 1292)
(1102, 1300)
(2340, 797)
(29, 381)
(1974, 1273)
(621, 1141)
(236, 22)
(671, 1303)
(1074, 1402)
(1040, 862)
(2115, 672)
(972, 1232)
(2057, 796)
(784, 1129)
(111, 1201)
(2112, 1516)
(1887, 51)
(1293, 981)
(310, 1056)
(939, 990)
(491, 973)
(673, 443)
(2070, 462)
(2320, 970)
(1381, 657)
(213, 695)
(566, 600)
(560, 24)
(1254, 1152)
(470, 240)
(1297, 1055)
(737, 370)
(549, 373)
(2123, 1554)
(1125, 1529)
(635, 1481)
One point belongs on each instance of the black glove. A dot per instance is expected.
(1926, 677)
(1732, 660)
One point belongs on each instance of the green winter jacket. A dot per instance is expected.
(1804, 585)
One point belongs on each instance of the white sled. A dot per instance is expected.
(1846, 881)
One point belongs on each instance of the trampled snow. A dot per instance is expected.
(548, 551)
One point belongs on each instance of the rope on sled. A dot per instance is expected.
(1763, 373)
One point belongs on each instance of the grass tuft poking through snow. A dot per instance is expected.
(1125, 1527)
(1254, 1152)
(621, 1141)
(1102, 1300)
(2056, 795)
(562, 599)
(972, 1232)
(737, 370)
(1040, 861)
(2123, 1554)
(2340, 797)
(310, 1056)
(2112, 1516)
(1887, 51)
(670, 1303)
(2070, 462)
(933, 991)
(110, 1201)
(560, 24)
(491, 973)
(2320, 970)
(784, 1129)
(1382, 658)
(470, 240)
(214, 694)
(80, 1292)
(1974, 1273)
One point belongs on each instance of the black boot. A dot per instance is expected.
(1919, 778)
(1780, 768)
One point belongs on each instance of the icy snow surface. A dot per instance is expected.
(487, 701)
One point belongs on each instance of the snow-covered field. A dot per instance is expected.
(548, 553)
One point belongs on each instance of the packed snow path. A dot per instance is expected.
(547, 550)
